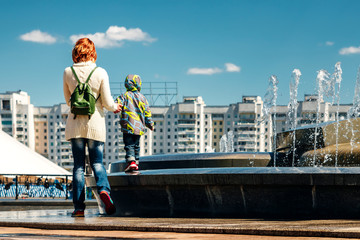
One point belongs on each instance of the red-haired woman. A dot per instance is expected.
(82, 130)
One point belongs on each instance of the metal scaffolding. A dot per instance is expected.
(157, 93)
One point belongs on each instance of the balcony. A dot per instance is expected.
(186, 139)
(184, 147)
(186, 122)
(245, 139)
(186, 150)
(251, 145)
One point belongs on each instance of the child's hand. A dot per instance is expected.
(119, 107)
(151, 128)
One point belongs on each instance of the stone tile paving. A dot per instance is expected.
(61, 220)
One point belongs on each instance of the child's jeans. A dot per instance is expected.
(132, 147)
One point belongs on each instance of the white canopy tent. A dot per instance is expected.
(18, 159)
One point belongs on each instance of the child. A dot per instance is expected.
(135, 115)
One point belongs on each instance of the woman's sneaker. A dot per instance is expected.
(109, 205)
(131, 167)
(78, 213)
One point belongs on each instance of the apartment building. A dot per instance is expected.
(17, 116)
(179, 128)
(41, 116)
(185, 127)
(114, 145)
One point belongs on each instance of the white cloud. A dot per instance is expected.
(38, 37)
(230, 67)
(100, 40)
(350, 50)
(203, 71)
(115, 37)
(131, 34)
(329, 43)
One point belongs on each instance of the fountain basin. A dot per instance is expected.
(238, 192)
(198, 160)
(248, 184)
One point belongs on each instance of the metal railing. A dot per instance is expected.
(35, 186)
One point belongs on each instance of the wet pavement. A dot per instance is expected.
(58, 224)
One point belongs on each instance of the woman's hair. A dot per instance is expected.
(84, 50)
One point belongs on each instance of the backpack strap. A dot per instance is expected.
(87, 80)
(77, 79)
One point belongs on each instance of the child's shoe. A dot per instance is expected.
(78, 213)
(109, 205)
(132, 166)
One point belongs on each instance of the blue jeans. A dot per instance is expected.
(95, 149)
(132, 147)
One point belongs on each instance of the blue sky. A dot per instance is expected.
(217, 49)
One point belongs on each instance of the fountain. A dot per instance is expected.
(227, 142)
(293, 106)
(313, 172)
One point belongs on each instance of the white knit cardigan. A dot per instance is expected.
(83, 127)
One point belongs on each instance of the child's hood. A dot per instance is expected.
(133, 82)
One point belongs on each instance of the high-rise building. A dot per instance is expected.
(17, 116)
(184, 127)
(41, 115)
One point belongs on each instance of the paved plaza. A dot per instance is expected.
(57, 224)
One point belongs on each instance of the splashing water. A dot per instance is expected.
(269, 109)
(227, 142)
(209, 149)
(354, 111)
(337, 78)
(328, 87)
(223, 143)
(324, 87)
(293, 106)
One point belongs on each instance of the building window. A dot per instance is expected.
(5, 104)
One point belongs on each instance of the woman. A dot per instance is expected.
(84, 130)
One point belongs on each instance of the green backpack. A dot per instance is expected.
(82, 100)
